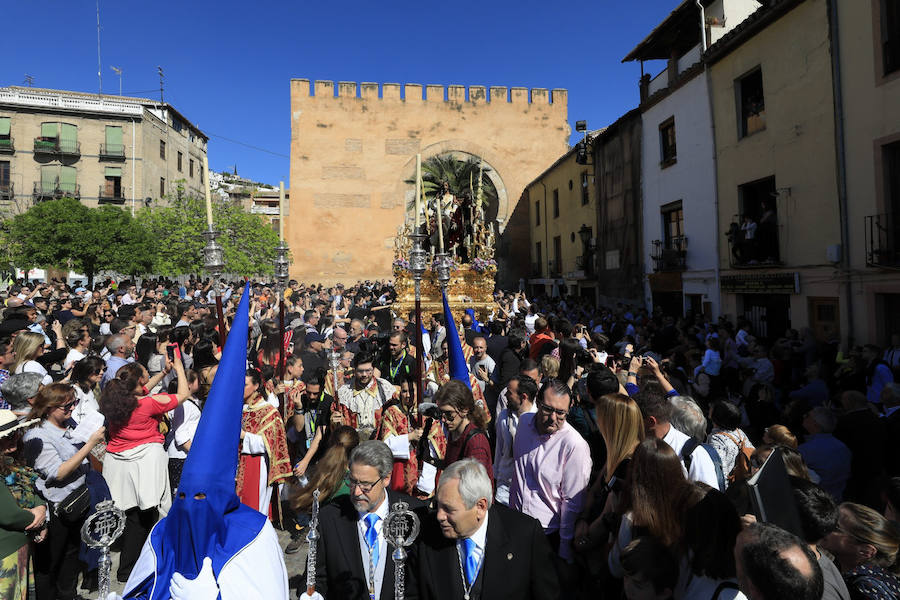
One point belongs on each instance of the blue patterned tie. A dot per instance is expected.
(471, 561)
(372, 536)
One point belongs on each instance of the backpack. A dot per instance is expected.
(688, 449)
(741, 468)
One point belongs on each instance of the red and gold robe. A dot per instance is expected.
(392, 421)
(262, 419)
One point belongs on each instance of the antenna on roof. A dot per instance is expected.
(161, 76)
(29, 80)
(99, 67)
(119, 73)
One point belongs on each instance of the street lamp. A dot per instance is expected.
(585, 234)
(418, 259)
(214, 263)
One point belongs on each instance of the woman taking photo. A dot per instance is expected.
(622, 426)
(136, 464)
(465, 424)
(62, 469)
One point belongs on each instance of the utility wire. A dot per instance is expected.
(221, 137)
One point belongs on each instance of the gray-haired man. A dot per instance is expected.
(354, 560)
(474, 548)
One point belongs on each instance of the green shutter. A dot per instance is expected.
(68, 133)
(113, 137)
(4, 125)
(49, 130)
(67, 179)
(113, 171)
(49, 174)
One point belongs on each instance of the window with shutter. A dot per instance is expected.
(67, 180)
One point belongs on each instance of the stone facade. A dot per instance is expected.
(353, 155)
(142, 170)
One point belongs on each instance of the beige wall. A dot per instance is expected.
(25, 166)
(871, 108)
(797, 148)
(141, 167)
(572, 215)
(351, 157)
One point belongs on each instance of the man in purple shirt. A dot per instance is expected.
(552, 468)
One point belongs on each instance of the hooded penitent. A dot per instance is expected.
(207, 518)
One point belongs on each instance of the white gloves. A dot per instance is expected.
(204, 587)
(113, 596)
(315, 596)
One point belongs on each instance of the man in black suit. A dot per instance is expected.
(473, 549)
(351, 541)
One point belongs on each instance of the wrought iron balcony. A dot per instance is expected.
(52, 145)
(883, 241)
(112, 151)
(7, 145)
(670, 255)
(750, 248)
(45, 191)
(7, 191)
(107, 196)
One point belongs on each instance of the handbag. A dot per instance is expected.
(75, 505)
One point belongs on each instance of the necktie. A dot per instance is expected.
(471, 560)
(372, 536)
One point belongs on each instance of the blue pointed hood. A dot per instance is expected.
(216, 525)
(458, 367)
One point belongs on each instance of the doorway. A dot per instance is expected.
(769, 314)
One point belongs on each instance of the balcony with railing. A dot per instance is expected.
(7, 144)
(108, 195)
(112, 151)
(54, 145)
(883, 241)
(752, 247)
(50, 191)
(670, 255)
(7, 191)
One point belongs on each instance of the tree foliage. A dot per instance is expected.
(177, 232)
(167, 240)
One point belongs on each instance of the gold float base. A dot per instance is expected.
(466, 289)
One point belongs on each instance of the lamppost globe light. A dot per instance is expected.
(213, 254)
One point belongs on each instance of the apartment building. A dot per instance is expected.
(96, 148)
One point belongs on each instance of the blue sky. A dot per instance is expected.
(228, 64)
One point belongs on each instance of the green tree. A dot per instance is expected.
(65, 233)
(178, 241)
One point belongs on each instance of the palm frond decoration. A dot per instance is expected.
(467, 177)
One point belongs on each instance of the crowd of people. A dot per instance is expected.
(553, 450)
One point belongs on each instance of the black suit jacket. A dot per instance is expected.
(518, 562)
(339, 566)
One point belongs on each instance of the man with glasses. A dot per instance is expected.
(552, 469)
(354, 560)
(363, 396)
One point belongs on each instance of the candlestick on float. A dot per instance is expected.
(417, 264)
(418, 194)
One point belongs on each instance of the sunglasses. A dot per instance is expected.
(68, 406)
(562, 414)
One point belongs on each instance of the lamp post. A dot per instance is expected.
(418, 258)
(214, 263)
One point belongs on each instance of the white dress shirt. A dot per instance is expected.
(480, 539)
(504, 462)
(383, 552)
(702, 467)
